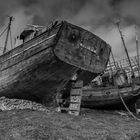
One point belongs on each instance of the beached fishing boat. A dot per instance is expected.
(109, 95)
(48, 58)
(115, 91)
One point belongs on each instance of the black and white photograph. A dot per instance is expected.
(69, 70)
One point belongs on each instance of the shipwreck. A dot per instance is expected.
(48, 58)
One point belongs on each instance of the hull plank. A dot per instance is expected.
(39, 69)
(109, 98)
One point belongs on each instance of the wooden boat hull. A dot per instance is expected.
(108, 98)
(38, 69)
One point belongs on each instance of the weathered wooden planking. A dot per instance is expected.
(108, 98)
(75, 98)
(38, 69)
(85, 50)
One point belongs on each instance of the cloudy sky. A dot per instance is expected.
(98, 16)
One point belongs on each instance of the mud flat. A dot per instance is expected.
(90, 125)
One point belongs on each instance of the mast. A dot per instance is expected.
(110, 66)
(137, 49)
(118, 23)
(113, 59)
(7, 35)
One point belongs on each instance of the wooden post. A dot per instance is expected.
(126, 51)
(137, 49)
(7, 35)
(75, 98)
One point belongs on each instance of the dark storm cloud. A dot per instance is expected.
(130, 9)
(99, 11)
(97, 16)
(7, 7)
(28, 2)
(45, 11)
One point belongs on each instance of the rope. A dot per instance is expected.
(127, 108)
(3, 31)
(11, 39)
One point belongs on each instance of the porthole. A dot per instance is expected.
(72, 38)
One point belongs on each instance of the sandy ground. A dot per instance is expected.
(89, 125)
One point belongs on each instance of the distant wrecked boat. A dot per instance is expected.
(48, 58)
(113, 92)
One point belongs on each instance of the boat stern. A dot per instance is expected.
(80, 48)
